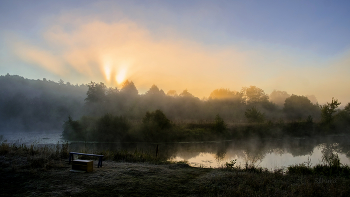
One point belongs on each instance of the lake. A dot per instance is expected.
(267, 153)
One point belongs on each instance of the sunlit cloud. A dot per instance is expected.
(124, 50)
(40, 57)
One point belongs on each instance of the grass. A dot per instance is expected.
(39, 171)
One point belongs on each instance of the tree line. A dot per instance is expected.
(44, 105)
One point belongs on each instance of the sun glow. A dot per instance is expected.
(121, 75)
(107, 72)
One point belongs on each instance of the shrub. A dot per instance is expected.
(254, 115)
(220, 124)
(111, 128)
(155, 126)
(327, 111)
(72, 130)
(157, 117)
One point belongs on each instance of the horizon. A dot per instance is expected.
(312, 98)
(299, 47)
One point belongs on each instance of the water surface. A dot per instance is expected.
(267, 153)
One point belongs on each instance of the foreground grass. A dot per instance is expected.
(20, 176)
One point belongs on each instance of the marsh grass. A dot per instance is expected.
(331, 167)
(142, 178)
(137, 156)
(37, 157)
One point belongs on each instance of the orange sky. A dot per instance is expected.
(80, 48)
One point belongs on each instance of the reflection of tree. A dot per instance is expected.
(329, 154)
(278, 151)
(221, 152)
(300, 147)
(344, 146)
(254, 151)
(253, 157)
(250, 151)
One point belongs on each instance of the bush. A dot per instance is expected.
(155, 126)
(157, 117)
(219, 125)
(72, 130)
(254, 115)
(111, 128)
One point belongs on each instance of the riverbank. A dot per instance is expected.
(142, 179)
(27, 171)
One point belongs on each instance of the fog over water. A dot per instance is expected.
(266, 153)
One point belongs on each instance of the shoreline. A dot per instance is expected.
(19, 177)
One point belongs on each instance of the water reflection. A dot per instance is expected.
(266, 153)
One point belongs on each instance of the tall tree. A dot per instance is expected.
(225, 94)
(327, 110)
(185, 93)
(154, 90)
(254, 94)
(171, 93)
(278, 97)
(96, 92)
(129, 88)
(299, 107)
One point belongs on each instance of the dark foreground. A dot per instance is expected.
(19, 178)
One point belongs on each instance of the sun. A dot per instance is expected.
(121, 75)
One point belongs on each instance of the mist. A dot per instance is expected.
(86, 111)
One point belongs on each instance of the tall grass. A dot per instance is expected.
(36, 156)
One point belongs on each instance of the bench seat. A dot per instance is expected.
(100, 157)
(84, 165)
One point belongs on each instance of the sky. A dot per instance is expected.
(301, 47)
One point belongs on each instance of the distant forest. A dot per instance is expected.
(44, 105)
(38, 105)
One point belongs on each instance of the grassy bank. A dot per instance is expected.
(43, 171)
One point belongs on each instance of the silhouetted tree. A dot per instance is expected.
(347, 108)
(327, 111)
(312, 98)
(171, 93)
(220, 125)
(154, 90)
(157, 117)
(225, 94)
(254, 115)
(112, 94)
(72, 130)
(111, 128)
(253, 95)
(299, 107)
(96, 92)
(278, 97)
(155, 126)
(129, 88)
(185, 93)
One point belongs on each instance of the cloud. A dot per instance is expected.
(39, 57)
(97, 50)
(89, 47)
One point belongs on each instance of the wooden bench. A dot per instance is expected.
(82, 165)
(100, 157)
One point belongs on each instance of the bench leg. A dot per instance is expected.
(70, 157)
(99, 162)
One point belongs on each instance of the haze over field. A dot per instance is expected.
(298, 47)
